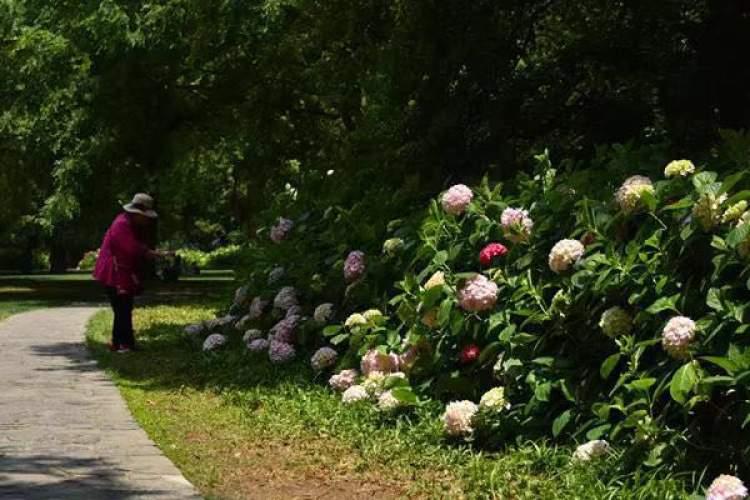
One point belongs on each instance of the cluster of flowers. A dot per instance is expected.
(459, 417)
(379, 372)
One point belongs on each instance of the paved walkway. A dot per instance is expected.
(65, 432)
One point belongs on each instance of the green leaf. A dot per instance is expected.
(544, 361)
(713, 300)
(742, 195)
(683, 381)
(405, 395)
(663, 304)
(686, 202)
(704, 179)
(642, 384)
(507, 334)
(440, 258)
(391, 382)
(731, 181)
(560, 422)
(649, 200)
(543, 391)
(431, 297)
(608, 365)
(727, 364)
(331, 330)
(490, 352)
(339, 339)
(495, 320)
(444, 313)
(598, 431)
(738, 235)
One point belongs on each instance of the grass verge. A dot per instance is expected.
(239, 427)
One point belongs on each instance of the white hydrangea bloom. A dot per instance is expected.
(354, 393)
(373, 383)
(373, 315)
(629, 195)
(214, 342)
(437, 279)
(707, 210)
(387, 402)
(592, 449)
(343, 380)
(355, 319)
(681, 168)
(323, 313)
(616, 321)
(494, 400)
(325, 357)
(564, 254)
(734, 212)
(286, 298)
(251, 335)
(458, 416)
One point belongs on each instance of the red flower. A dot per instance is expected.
(490, 252)
(469, 354)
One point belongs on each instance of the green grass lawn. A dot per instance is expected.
(238, 426)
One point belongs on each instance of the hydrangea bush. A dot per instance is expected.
(582, 307)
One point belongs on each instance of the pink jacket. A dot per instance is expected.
(121, 257)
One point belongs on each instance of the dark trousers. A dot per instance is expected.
(122, 328)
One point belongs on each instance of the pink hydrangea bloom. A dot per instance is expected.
(376, 361)
(456, 199)
(354, 266)
(343, 380)
(325, 357)
(677, 336)
(726, 487)
(516, 224)
(280, 352)
(478, 294)
(281, 230)
(284, 330)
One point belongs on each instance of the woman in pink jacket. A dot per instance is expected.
(120, 265)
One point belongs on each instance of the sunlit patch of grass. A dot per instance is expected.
(237, 425)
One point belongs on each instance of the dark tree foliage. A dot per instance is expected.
(215, 106)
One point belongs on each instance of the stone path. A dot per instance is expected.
(65, 432)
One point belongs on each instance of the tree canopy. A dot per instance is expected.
(215, 107)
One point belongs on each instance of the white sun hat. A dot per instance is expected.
(142, 204)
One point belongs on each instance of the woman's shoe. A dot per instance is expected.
(123, 349)
(113, 347)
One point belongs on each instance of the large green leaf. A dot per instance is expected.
(560, 422)
(683, 381)
(608, 365)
